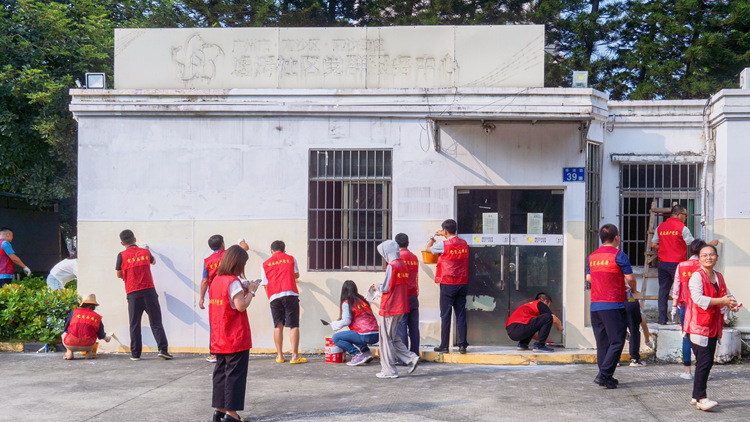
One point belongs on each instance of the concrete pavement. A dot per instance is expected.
(113, 388)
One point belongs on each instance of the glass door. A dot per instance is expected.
(515, 251)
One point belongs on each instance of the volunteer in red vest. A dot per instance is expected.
(533, 320)
(680, 293)
(363, 327)
(230, 334)
(452, 273)
(280, 274)
(408, 327)
(394, 303)
(134, 268)
(83, 328)
(8, 257)
(607, 270)
(210, 268)
(670, 240)
(704, 320)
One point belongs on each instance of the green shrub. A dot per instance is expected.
(34, 315)
(33, 282)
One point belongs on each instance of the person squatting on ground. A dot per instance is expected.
(704, 320)
(533, 320)
(452, 273)
(230, 334)
(680, 293)
(210, 268)
(363, 327)
(280, 274)
(605, 270)
(408, 327)
(83, 328)
(394, 303)
(670, 240)
(8, 257)
(63, 272)
(134, 268)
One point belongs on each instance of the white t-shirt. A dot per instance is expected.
(65, 270)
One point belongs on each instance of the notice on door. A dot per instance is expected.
(489, 222)
(534, 222)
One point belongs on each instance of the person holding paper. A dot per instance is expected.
(363, 327)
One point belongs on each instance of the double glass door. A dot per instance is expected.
(515, 252)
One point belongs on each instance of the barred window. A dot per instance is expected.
(667, 185)
(349, 210)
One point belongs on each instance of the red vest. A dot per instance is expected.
(136, 269)
(6, 265)
(396, 301)
(524, 313)
(453, 263)
(710, 322)
(672, 247)
(607, 283)
(686, 269)
(363, 320)
(83, 328)
(212, 264)
(230, 329)
(412, 264)
(279, 270)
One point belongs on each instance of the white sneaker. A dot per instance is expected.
(706, 404)
(686, 376)
(693, 402)
(386, 376)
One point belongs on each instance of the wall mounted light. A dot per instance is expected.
(96, 81)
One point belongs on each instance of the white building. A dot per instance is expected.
(334, 139)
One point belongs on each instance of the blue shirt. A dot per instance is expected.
(624, 263)
(8, 249)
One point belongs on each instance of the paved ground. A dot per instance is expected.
(112, 388)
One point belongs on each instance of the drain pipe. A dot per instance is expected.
(704, 175)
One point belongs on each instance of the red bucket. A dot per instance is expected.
(334, 354)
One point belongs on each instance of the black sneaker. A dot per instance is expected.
(521, 347)
(165, 355)
(609, 384)
(462, 350)
(441, 349)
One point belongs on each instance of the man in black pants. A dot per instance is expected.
(633, 319)
(134, 268)
(533, 319)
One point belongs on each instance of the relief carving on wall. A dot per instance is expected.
(196, 59)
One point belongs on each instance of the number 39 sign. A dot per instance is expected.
(573, 174)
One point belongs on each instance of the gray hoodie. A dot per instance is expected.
(389, 251)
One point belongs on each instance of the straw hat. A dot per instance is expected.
(90, 299)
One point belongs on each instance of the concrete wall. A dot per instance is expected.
(175, 180)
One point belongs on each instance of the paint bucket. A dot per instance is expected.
(334, 354)
(429, 258)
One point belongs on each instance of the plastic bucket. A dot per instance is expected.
(334, 354)
(429, 258)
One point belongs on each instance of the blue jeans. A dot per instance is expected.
(53, 283)
(685, 340)
(408, 327)
(353, 342)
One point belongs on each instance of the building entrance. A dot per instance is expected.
(515, 239)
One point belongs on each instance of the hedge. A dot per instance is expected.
(34, 314)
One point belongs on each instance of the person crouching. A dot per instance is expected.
(83, 328)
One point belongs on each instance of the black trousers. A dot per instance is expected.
(453, 298)
(145, 300)
(230, 379)
(666, 277)
(633, 319)
(704, 361)
(609, 332)
(524, 333)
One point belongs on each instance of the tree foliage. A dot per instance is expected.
(633, 49)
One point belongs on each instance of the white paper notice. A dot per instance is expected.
(489, 222)
(534, 222)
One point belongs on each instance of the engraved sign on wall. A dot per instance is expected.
(391, 57)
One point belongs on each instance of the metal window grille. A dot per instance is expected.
(593, 196)
(643, 183)
(349, 210)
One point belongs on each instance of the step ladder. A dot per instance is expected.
(651, 255)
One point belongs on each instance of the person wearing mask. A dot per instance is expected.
(704, 320)
(452, 273)
(408, 327)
